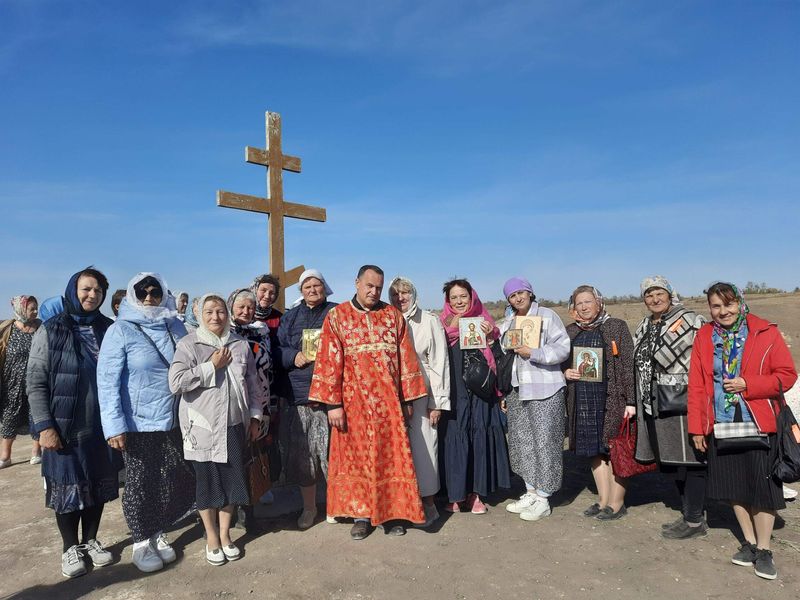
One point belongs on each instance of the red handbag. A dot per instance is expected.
(623, 450)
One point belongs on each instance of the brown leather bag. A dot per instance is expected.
(258, 471)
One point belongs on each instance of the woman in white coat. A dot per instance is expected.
(430, 344)
(220, 408)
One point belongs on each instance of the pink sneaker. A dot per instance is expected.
(452, 507)
(476, 506)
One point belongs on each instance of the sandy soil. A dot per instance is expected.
(496, 555)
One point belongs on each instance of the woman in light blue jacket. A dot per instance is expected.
(139, 416)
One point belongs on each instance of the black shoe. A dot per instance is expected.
(592, 511)
(746, 555)
(395, 528)
(607, 514)
(684, 531)
(360, 530)
(765, 566)
(672, 524)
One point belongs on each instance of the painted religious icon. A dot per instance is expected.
(531, 326)
(512, 339)
(311, 343)
(588, 362)
(470, 333)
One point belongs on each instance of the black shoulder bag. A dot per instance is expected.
(478, 377)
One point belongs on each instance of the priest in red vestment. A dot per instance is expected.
(368, 374)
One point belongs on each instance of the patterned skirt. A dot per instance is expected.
(303, 439)
(160, 485)
(222, 484)
(536, 439)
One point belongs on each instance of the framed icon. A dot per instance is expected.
(511, 340)
(588, 362)
(470, 334)
(531, 326)
(311, 343)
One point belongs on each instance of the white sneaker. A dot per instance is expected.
(330, 519)
(146, 558)
(539, 510)
(99, 556)
(5, 462)
(524, 503)
(789, 493)
(306, 519)
(162, 546)
(72, 564)
(36, 459)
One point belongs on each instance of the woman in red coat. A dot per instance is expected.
(739, 364)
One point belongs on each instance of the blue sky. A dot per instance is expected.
(570, 142)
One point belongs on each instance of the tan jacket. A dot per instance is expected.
(206, 394)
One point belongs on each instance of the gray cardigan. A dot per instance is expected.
(206, 394)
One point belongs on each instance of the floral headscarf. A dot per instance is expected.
(20, 306)
(659, 281)
(601, 317)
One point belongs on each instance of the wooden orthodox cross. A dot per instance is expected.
(273, 205)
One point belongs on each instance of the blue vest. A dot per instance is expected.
(65, 355)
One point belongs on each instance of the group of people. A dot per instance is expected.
(384, 408)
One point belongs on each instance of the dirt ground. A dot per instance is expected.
(464, 556)
(496, 555)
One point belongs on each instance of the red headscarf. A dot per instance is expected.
(475, 310)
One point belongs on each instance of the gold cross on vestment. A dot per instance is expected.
(273, 205)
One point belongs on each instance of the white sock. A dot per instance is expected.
(543, 495)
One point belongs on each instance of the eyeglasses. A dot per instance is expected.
(154, 293)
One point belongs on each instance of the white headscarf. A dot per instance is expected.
(204, 334)
(308, 273)
(164, 310)
(406, 282)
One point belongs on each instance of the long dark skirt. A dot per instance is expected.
(221, 484)
(474, 449)
(744, 477)
(81, 475)
(160, 484)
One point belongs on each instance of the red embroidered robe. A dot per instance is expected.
(366, 362)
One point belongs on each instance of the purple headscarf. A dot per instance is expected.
(516, 284)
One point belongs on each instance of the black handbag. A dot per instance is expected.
(505, 364)
(739, 436)
(787, 461)
(478, 377)
(671, 399)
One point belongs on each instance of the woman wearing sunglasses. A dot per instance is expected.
(139, 416)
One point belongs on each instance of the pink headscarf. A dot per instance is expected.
(475, 310)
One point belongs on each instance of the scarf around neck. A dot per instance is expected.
(732, 346)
